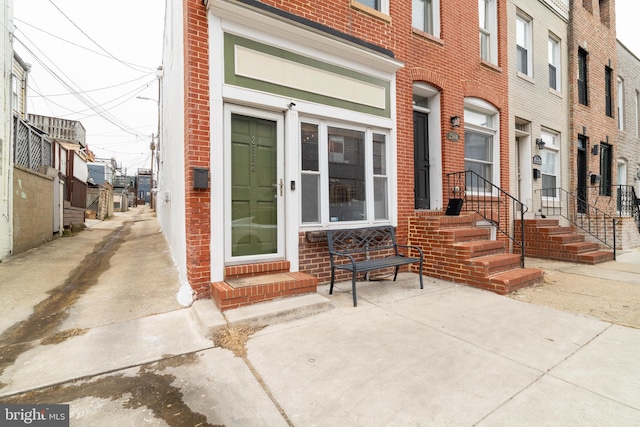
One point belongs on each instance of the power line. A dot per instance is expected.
(83, 47)
(89, 37)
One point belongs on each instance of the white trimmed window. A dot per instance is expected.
(554, 63)
(481, 150)
(379, 5)
(344, 174)
(488, 18)
(523, 45)
(620, 103)
(425, 16)
(550, 167)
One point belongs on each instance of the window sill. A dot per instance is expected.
(555, 92)
(427, 36)
(490, 65)
(355, 4)
(526, 78)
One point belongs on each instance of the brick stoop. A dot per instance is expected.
(254, 283)
(545, 238)
(455, 249)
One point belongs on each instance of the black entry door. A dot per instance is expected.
(582, 175)
(421, 159)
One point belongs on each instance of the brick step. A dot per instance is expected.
(467, 234)
(238, 292)
(553, 230)
(567, 238)
(478, 248)
(581, 247)
(541, 222)
(595, 257)
(512, 280)
(497, 263)
(461, 221)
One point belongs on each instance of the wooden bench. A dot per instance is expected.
(355, 245)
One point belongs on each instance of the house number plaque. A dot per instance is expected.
(452, 136)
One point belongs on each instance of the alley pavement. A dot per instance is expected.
(93, 321)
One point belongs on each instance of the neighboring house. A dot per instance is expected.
(283, 119)
(100, 191)
(593, 69)
(70, 157)
(102, 170)
(144, 186)
(539, 101)
(628, 157)
(6, 126)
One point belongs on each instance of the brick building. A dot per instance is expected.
(293, 117)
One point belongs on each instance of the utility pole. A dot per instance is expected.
(151, 195)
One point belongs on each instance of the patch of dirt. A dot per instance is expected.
(63, 336)
(148, 388)
(234, 338)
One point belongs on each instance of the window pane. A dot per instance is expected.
(549, 185)
(478, 147)
(380, 198)
(523, 67)
(477, 118)
(310, 198)
(346, 175)
(521, 32)
(309, 139)
(418, 14)
(379, 155)
(371, 3)
(552, 77)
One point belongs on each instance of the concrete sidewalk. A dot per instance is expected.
(121, 351)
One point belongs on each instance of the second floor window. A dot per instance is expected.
(488, 28)
(554, 63)
(582, 77)
(620, 103)
(523, 45)
(608, 92)
(425, 16)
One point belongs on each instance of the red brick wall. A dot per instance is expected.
(588, 29)
(196, 146)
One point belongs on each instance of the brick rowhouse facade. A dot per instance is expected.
(197, 145)
(592, 31)
(448, 65)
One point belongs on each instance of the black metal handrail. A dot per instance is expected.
(490, 202)
(587, 217)
(635, 208)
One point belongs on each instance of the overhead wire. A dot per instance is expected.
(141, 67)
(93, 41)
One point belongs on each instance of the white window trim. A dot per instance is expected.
(323, 167)
(435, 6)
(491, 31)
(620, 102)
(481, 106)
(552, 143)
(384, 6)
(557, 61)
(527, 42)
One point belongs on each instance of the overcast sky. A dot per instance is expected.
(91, 60)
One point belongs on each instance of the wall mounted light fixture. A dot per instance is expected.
(455, 121)
(540, 143)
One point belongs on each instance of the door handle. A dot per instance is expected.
(281, 185)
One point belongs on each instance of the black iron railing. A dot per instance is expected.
(491, 203)
(592, 220)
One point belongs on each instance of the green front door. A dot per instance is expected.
(255, 190)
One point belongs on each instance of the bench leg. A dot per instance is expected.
(395, 276)
(353, 288)
(333, 276)
(420, 273)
